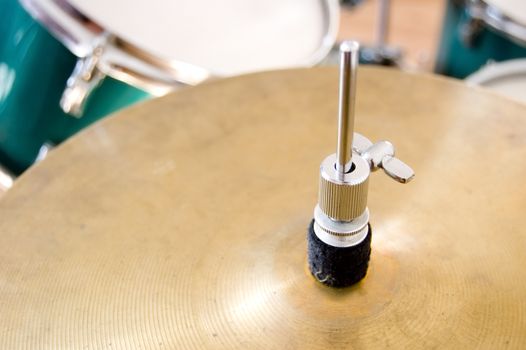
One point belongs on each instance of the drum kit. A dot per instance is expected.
(186, 221)
(90, 62)
(485, 42)
(477, 31)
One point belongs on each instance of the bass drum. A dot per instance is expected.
(65, 64)
(475, 32)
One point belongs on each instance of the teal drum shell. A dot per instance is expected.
(458, 57)
(34, 68)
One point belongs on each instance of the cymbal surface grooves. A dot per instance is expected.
(121, 240)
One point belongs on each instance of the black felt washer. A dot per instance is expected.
(334, 266)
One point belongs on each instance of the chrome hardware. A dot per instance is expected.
(85, 78)
(341, 217)
(6, 180)
(381, 155)
(382, 25)
(44, 151)
(397, 169)
(340, 233)
(347, 93)
(360, 143)
(381, 53)
(481, 14)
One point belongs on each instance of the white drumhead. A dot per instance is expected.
(514, 9)
(227, 37)
(507, 78)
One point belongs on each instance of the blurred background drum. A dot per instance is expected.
(54, 55)
(507, 78)
(476, 31)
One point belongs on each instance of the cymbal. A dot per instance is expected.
(181, 222)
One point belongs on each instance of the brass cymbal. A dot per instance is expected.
(180, 223)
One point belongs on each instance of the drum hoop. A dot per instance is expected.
(81, 34)
(497, 71)
(496, 20)
(168, 74)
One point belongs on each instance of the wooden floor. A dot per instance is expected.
(415, 28)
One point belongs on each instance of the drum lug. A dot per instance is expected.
(469, 30)
(44, 151)
(85, 78)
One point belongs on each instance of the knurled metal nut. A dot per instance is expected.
(343, 199)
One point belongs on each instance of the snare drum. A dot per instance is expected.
(66, 63)
(476, 31)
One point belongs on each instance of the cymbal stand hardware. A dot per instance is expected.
(339, 238)
(381, 53)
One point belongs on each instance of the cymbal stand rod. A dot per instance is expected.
(339, 236)
(346, 99)
(382, 29)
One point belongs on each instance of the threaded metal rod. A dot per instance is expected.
(348, 70)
